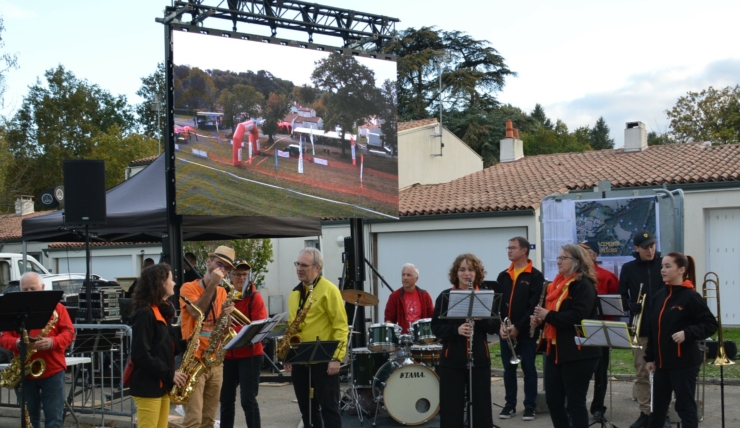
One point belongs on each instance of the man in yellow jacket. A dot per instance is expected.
(326, 320)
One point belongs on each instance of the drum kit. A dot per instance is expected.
(395, 371)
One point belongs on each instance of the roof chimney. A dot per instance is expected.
(635, 137)
(23, 205)
(512, 148)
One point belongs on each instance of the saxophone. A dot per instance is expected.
(222, 332)
(10, 376)
(290, 338)
(190, 364)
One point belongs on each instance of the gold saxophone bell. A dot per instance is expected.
(36, 369)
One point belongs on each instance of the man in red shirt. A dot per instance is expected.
(606, 283)
(409, 303)
(48, 389)
(242, 366)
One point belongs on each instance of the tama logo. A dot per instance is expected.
(410, 375)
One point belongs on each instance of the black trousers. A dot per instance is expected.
(244, 373)
(601, 382)
(453, 383)
(568, 380)
(326, 395)
(683, 383)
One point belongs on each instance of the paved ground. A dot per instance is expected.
(279, 409)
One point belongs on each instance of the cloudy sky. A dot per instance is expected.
(624, 60)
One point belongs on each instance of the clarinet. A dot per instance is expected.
(542, 300)
(471, 322)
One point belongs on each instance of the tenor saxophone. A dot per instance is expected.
(290, 338)
(10, 376)
(190, 365)
(222, 332)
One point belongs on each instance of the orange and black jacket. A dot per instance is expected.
(152, 353)
(455, 346)
(677, 308)
(519, 299)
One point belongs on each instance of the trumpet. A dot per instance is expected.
(515, 359)
(637, 320)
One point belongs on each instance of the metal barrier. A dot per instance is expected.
(97, 387)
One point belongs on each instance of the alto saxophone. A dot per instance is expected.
(190, 364)
(290, 338)
(10, 376)
(223, 332)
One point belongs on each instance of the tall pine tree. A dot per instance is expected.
(599, 136)
(539, 114)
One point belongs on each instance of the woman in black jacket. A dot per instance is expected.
(152, 350)
(571, 298)
(453, 365)
(679, 317)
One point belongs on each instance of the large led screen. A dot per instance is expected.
(270, 128)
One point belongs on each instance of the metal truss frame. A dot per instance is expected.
(358, 30)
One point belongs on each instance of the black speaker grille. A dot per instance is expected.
(84, 192)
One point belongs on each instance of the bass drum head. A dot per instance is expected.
(410, 393)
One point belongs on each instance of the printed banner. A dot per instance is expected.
(352, 143)
(321, 161)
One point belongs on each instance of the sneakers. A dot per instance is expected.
(641, 422)
(528, 414)
(507, 412)
(598, 416)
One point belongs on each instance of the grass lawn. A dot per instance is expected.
(622, 361)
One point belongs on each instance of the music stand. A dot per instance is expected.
(311, 353)
(254, 332)
(469, 305)
(611, 334)
(610, 305)
(22, 312)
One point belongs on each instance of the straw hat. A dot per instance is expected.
(225, 254)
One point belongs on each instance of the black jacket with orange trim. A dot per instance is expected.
(674, 309)
(455, 346)
(580, 304)
(152, 352)
(526, 294)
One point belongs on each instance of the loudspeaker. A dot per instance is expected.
(84, 192)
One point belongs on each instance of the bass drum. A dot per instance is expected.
(410, 393)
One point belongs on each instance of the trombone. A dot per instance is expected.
(711, 284)
(637, 320)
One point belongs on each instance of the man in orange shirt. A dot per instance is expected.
(606, 283)
(46, 391)
(206, 294)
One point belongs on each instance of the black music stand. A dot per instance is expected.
(311, 353)
(469, 305)
(22, 312)
(611, 334)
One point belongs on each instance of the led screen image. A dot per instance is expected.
(266, 129)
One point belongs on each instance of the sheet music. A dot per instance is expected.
(266, 325)
(611, 305)
(613, 334)
(459, 304)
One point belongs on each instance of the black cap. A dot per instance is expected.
(593, 246)
(643, 238)
(242, 264)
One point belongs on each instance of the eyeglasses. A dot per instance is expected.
(239, 274)
(512, 248)
(301, 265)
(563, 258)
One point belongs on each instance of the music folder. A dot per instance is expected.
(254, 332)
(611, 334)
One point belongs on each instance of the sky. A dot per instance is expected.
(623, 60)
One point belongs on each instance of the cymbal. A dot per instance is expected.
(362, 298)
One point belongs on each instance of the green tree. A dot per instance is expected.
(7, 62)
(257, 252)
(599, 136)
(61, 120)
(710, 115)
(354, 96)
(304, 94)
(117, 149)
(240, 99)
(276, 108)
(655, 139)
(557, 140)
(539, 115)
(152, 86)
(389, 127)
(199, 92)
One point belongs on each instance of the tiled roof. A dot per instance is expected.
(143, 161)
(94, 244)
(290, 117)
(522, 184)
(10, 225)
(403, 126)
(315, 119)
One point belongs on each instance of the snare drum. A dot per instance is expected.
(365, 364)
(428, 355)
(383, 337)
(422, 331)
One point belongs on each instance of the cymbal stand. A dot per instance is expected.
(350, 397)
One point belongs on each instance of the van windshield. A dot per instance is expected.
(68, 286)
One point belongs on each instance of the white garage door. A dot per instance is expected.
(723, 251)
(108, 267)
(433, 253)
